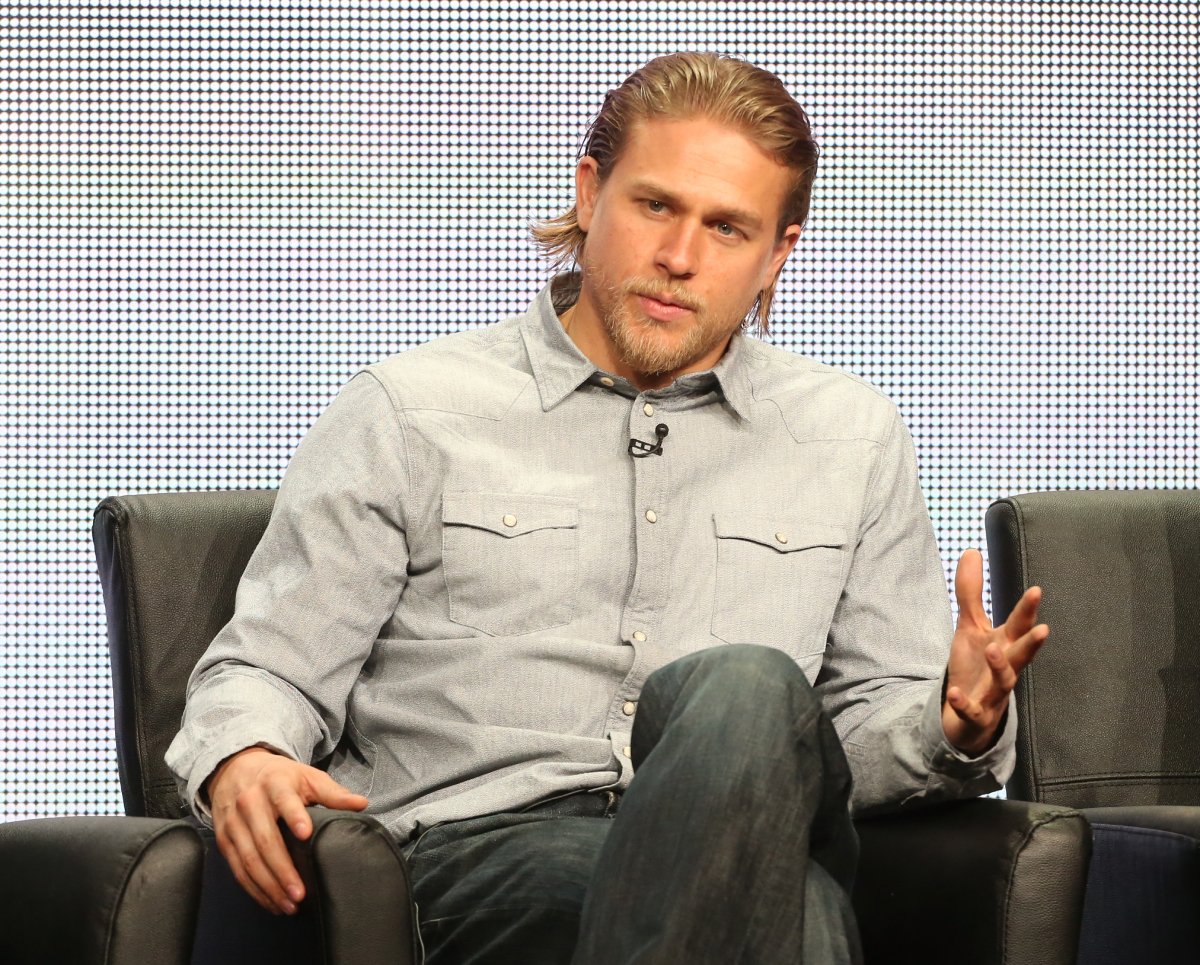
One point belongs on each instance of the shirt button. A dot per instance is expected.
(782, 537)
(639, 636)
(648, 409)
(651, 516)
(605, 380)
(628, 708)
(510, 520)
(627, 751)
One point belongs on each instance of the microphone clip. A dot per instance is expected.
(640, 450)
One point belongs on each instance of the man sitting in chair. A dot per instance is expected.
(609, 612)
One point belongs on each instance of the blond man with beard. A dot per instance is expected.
(612, 614)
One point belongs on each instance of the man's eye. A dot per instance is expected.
(656, 206)
(726, 229)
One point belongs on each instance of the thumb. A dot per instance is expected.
(968, 588)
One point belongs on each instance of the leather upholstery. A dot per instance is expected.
(98, 891)
(169, 568)
(1107, 712)
(354, 869)
(980, 881)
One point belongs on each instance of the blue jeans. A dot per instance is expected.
(733, 843)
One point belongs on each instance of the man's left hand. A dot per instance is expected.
(985, 660)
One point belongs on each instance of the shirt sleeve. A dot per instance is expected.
(326, 576)
(882, 677)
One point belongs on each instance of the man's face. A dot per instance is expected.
(681, 238)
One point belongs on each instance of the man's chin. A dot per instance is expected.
(663, 356)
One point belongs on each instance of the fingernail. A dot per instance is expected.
(289, 908)
(296, 892)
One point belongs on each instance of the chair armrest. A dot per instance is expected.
(353, 870)
(982, 881)
(103, 890)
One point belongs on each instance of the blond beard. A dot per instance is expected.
(634, 338)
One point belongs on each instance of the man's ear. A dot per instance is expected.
(587, 187)
(783, 248)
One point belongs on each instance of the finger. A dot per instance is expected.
(328, 792)
(961, 704)
(1024, 614)
(1004, 675)
(261, 848)
(980, 714)
(233, 859)
(291, 808)
(968, 588)
(1022, 650)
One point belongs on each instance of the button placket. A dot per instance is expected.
(652, 562)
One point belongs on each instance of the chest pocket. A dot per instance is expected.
(511, 560)
(778, 581)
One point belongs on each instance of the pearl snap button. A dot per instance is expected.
(605, 380)
(627, 751)
(782, 537)
(648, 409)
(651, 516)
(639, 636)
(510, 520)
(628, 708)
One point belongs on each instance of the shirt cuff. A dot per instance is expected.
(242, 710)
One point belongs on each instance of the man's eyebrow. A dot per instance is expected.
(734, 215)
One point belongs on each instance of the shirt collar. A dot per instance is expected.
(559, 368)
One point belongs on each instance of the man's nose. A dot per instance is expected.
(678, 250)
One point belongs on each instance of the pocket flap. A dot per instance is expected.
(782, 534)
(509, 514)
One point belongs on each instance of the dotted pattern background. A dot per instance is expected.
(215, 212)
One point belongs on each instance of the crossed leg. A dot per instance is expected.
(732, 845)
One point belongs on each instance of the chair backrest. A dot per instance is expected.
(169, 568)
(1109, 712)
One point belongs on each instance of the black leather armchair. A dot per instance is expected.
(1110, 711)
(984, 881)
(169, 568)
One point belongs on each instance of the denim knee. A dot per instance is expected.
(737, 673)
(751, 663)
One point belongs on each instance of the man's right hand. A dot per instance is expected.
(249, 792)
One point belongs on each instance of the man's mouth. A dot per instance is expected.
(662, 307)
(665, 299)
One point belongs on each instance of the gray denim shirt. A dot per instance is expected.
(467, 577)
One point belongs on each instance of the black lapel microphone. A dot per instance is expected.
(640, 450)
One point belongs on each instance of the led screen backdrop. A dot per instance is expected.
(215, 212)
